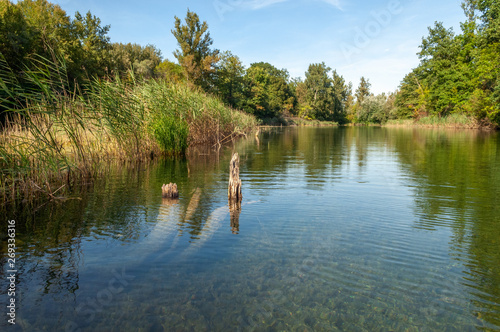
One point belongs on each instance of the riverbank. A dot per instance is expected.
(453, 121)
(295, 121)
(55, 139)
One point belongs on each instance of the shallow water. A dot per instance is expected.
(355, 229)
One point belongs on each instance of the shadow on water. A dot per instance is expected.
(339, 228)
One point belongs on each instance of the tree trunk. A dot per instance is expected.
(234, 189)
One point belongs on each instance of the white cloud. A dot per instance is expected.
(335, 3)
(258, 4)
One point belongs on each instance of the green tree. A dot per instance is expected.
(319, 86)
(342, 97)
(489, 14)
(299, 90)
(326, 96)
(408, 99)
(91, 46)
(267, 91)
(142, 60)
(230, 72)
(35, 29)
(457, 73)
(16, 35)
(170, 71)
(195, 54)
(363, 90)
(447, 77)
(484, 26)
(51, 26)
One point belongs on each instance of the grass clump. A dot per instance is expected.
(170, 133)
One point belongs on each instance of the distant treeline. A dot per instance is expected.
(458, 74)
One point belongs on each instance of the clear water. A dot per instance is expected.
(353, 229)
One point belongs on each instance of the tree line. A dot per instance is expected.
(458, 73)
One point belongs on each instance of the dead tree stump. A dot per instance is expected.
(170, 191)
(234, 189)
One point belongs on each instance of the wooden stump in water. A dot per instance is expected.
(234, 189)
(170, 191)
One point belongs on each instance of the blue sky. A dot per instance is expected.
(377, 39)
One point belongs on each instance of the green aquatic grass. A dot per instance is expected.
(171, 134)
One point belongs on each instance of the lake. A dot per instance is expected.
(353, 229)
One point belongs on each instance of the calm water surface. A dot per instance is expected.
(354, 229)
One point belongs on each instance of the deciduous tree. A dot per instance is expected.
(230, 72)
(195, 53)
(267, 91)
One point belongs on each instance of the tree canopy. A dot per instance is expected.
(325, 94)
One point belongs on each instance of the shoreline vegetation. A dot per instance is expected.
(54, 138)
(454, 121)
(71, 101)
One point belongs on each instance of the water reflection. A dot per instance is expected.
(234, 211)
(193, 204)
(456, 176)
(364, 227)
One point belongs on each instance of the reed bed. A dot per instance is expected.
(450, 121)
(56, 134)
(208, 119)
(311, 123)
